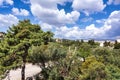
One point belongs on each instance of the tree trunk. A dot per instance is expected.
(24, 57)
(43, 63)
(23, 72)
(24, 63)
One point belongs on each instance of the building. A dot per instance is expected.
(58, 40)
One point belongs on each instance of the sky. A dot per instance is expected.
(68, 19)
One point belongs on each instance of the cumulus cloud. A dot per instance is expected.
(7, 21)
(88, 6)
(87, 19)
(110, 29)
(71, 33)
(110, 2)
(46, 27)
(114, 22)
(76, 32)
(51, 14)
(115, 2)
(1, 2)
(53, 18)
(10, 2)
(26, 1)
(101, 21)
(21, 12)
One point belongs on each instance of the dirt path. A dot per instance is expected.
(30, 71)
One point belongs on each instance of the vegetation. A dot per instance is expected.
(65, 60)
(17, 42)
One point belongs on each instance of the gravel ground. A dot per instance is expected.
(29, 71)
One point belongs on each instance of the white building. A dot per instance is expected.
(101, 43)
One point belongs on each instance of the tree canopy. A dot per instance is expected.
(16, 43)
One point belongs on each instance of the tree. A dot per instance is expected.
(66, 68)
(84, 50)
(116, 45)
(47, 37)
(115, 59)
(113, 72)
(82, 41)
(102, 54)
(46, 56)
(91, 42)
(106, 44)
(92, 69)
(15, 46)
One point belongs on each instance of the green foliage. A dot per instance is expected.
(64, 63)
(117, 46)
(91, 42)
(93, 70)
(115, 58)
(17, 41)
(106, 44)
(113, 72)
(84, 50)
(102, 54)
(68, 60)
(66, 68)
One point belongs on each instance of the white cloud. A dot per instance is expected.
(110, 2)
(111, 25)
(110, 29)
(114, 22)
(7, 21)
(1, 2)
(21, 12)
(50, 14)
(10, 2)
(76, 33)
(115, 15)
(46, 27)
(115, 2)
(101, 21)
(52, 3)
(88, 6)
(65, 32)
(26, 1)
(87, 19)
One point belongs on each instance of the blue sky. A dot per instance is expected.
(70, 19)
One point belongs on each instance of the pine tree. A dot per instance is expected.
(18, 40)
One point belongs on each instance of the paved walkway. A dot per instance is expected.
(29, 71)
